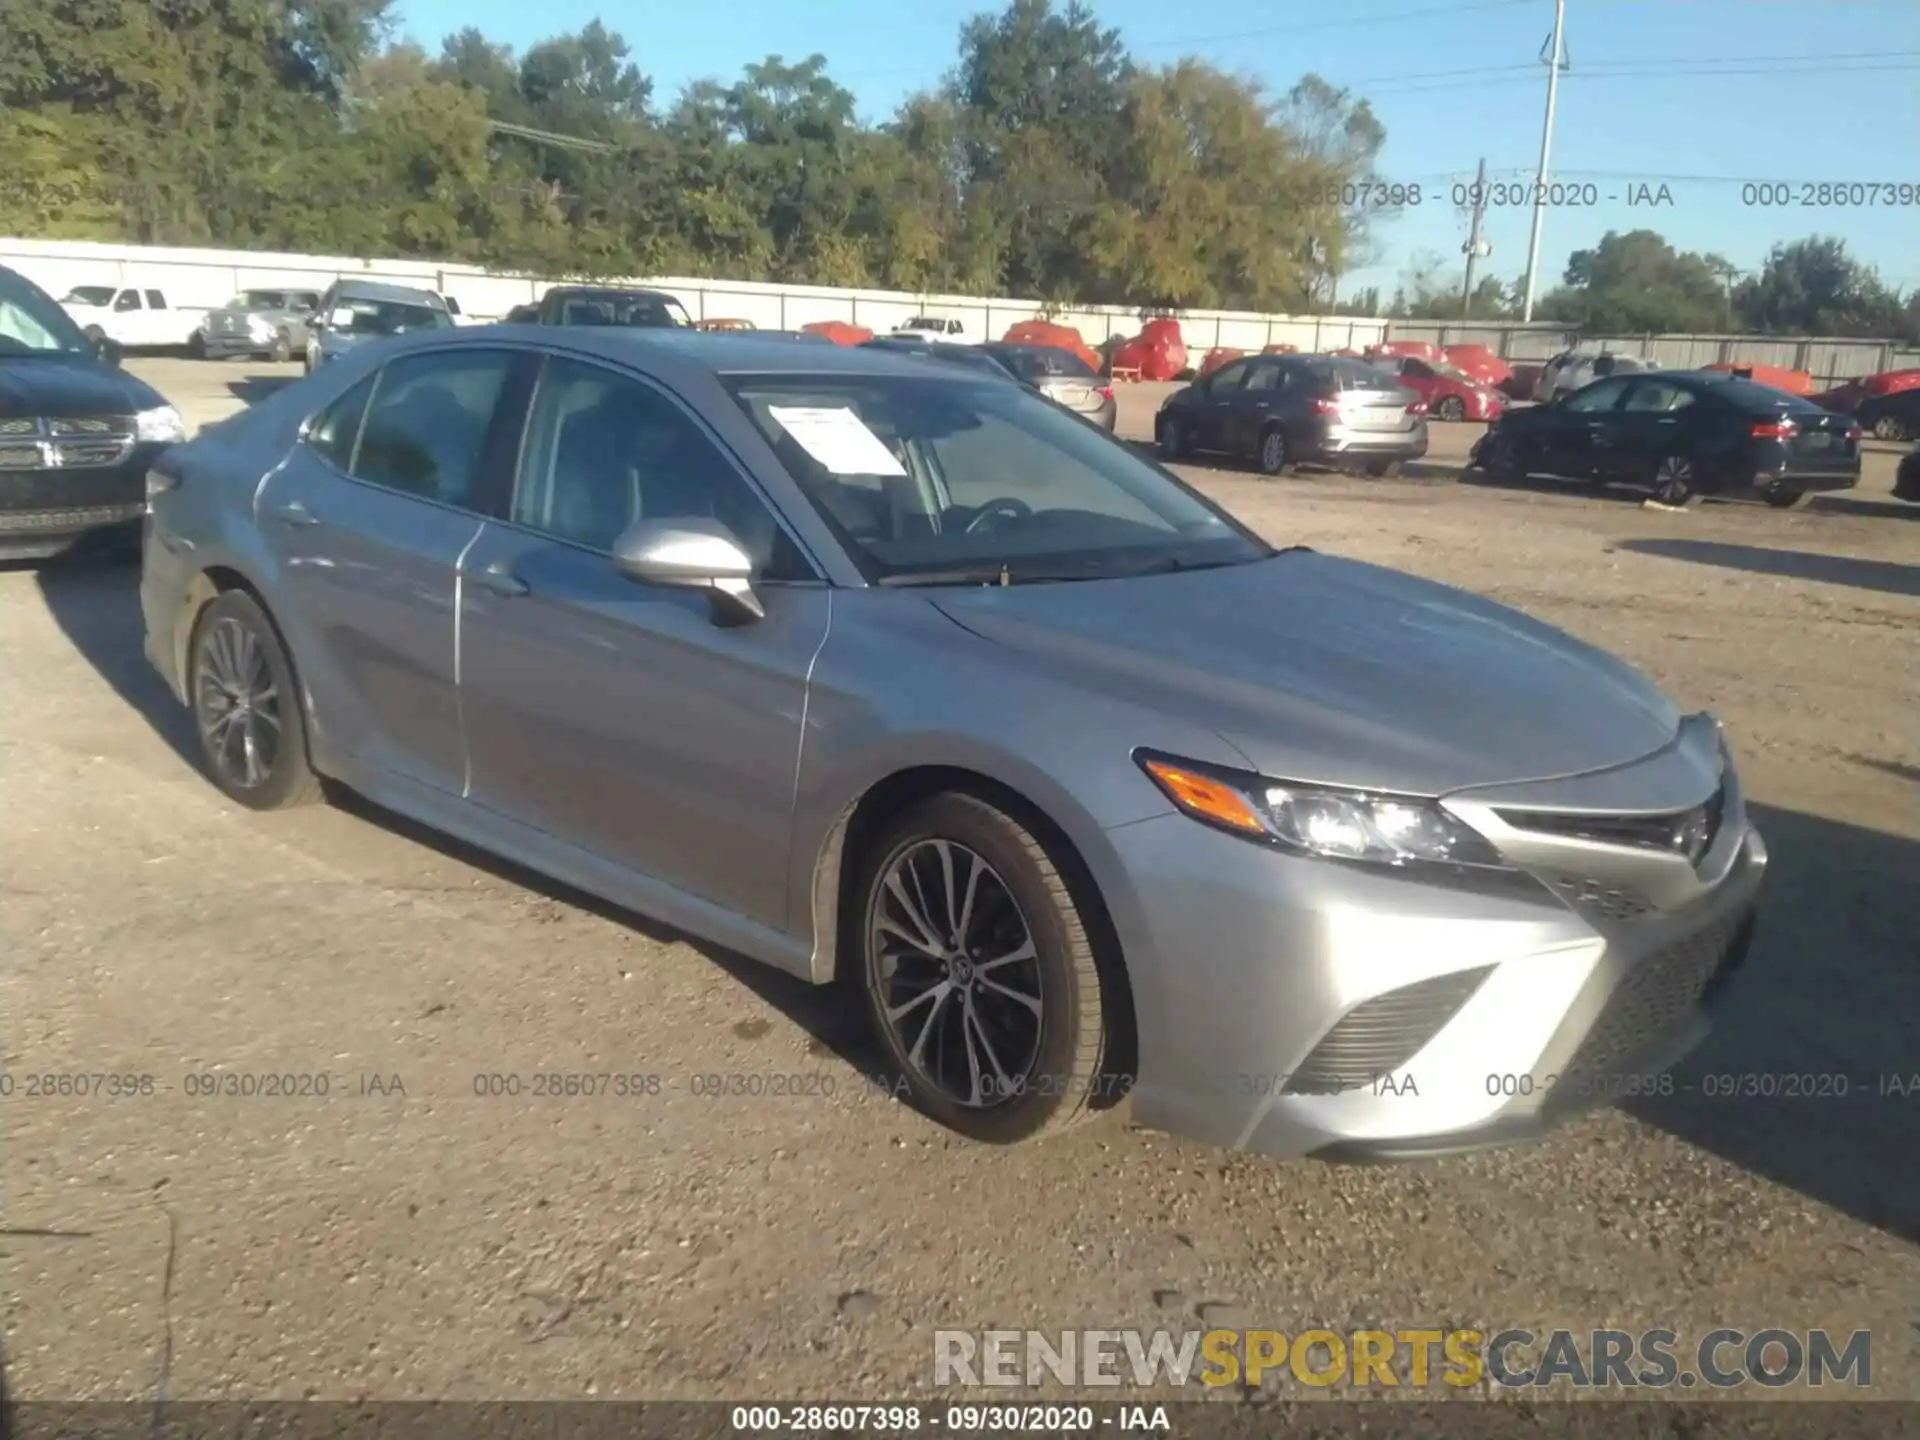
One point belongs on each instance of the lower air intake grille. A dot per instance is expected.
(1380, 1035)
(1652, 999)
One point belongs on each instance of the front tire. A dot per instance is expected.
(282, 348)
(1173, 438)
(978, 972)
(246, 707)
(1273, 456)
(1889, 427)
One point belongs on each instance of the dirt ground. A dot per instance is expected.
(405, 1237)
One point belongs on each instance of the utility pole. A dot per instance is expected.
(1555, 61)
(1475, 246)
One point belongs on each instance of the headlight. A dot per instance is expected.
(1317, 820)
(162, 423)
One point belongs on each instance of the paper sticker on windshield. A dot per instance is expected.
(838, 439)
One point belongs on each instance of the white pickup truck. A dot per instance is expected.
(137, 317)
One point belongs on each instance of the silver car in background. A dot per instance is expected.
(894, 677)
(270, 324)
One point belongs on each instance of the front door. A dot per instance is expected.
(1583, 432)
(368, 519)
(1213, 415)
(1650, 425)
(629, 719)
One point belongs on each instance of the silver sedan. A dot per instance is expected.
(911, 681)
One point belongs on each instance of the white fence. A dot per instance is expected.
(205, 279)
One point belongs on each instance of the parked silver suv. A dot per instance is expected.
(255, 323)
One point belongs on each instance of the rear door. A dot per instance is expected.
(368, 518)
(1255, 404)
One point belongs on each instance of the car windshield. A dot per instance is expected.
(31, 324)
(963, 481)
(1041, 362)
(89, 295)
(391, 317)
(259, 300)
(658, 312)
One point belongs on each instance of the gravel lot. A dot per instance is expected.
(439, 1244)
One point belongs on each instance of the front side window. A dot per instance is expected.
(31, 324)
(1265, 375)
(1656, 395)
(923, 477)
(1229, 377)
(334, 431)
(426, 429)
(604, 451)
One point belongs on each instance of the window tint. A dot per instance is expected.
(334, 430)
(127, 300)
(1657, 395)
(604, 451)
(1265, 375)
(428, 423)
(155, 300)
(1600, 395)
(1231, 377)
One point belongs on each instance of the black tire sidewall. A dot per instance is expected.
(1260, 453)
(291, 773)
(1173, 440)
(995, 837)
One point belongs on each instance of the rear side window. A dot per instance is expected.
(334, 430)
(155, 300)
(1752, 396)
(426, 428)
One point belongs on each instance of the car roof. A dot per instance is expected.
(663, 351)
(377, 290)
(612, 290)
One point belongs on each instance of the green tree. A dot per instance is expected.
(1813, 286)
(1638, 282)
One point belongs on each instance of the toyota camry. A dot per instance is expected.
(909, 681)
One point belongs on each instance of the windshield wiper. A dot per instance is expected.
(971, 575)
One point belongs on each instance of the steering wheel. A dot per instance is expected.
(1006, 505)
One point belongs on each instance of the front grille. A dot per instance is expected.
(1651, 1000)
(32, 521)
(65, 442)
(20, 457)
(1596, 898)
(1686, 832)
(1378, 1036)
(21, 425)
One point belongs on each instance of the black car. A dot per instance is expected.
(1679, 434)
(1906, 480)
(1282, 410)
(1891, 417)
(610, 305)
(76, 433)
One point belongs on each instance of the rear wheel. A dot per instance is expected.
(978, 972)
(1273, 456)
(1380, 469)
(246, 707)
(1451, 407)
(1889, 427)
(197, 345)
(1675, 480)
(1784, 495)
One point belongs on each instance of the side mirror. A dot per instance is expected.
(691, 554)
(109, 351)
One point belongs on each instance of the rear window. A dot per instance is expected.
(1041, 362)
(1751, 395)
(1344, 374)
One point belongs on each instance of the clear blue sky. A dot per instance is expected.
(1659, 90)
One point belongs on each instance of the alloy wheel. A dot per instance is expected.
(1673, 480)
(237, 704)
(953, 965)
(1889, 427)
(1273, 451)
(1451, 408)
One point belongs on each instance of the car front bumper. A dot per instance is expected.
(45, 513)
(223, 347)
(1458, 1019)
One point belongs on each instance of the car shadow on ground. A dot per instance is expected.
(1811, 1076)
(1861, 506)
(255, 388)
(1829, 990)
(1887, 576)
(1546, 485)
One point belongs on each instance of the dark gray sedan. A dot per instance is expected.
(883, 674)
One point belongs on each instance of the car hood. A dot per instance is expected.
(1326, 670)
(69, 385)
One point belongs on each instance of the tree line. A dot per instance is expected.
(1050, 164)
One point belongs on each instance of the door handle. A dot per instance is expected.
(295, 514)
(501, 581)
